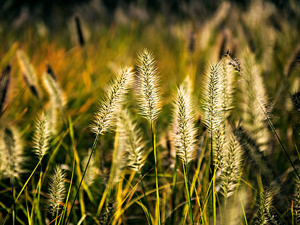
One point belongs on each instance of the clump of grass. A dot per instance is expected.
(56, 191)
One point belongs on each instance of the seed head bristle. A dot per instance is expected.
(41, 136)
(56, 191)
(148, 90)
(184, 131)
(132, 139)
(104, 117)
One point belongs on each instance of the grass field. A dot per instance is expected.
(148, 120)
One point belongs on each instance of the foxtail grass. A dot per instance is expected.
(150, 104)
(56, 191)
(41, 136)
(212, 115)
(132, 140)
(104, 118)
(184, 134)
(29, 73)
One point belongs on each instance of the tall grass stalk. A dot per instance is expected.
(149, 101)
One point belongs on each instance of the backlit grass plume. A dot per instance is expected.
(56, 190)
(230, 165)
(104, 117)
(148, 90)
(29, 73)
(41, 136)
(263, 209)
(132, 140)
(57, 98)
(150, 105)
(184, 131)
(4, 83)
(211, 97)
(254, 95)
(12, 152)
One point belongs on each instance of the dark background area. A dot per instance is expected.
(55, 12)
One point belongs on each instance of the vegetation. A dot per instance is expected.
(152, 121)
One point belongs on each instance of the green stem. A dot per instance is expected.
(146, 200)
(93, 149)
(156, 172)
(14, 196)
(174, 194)
(16, 199)
(56, 216)
(185, 171)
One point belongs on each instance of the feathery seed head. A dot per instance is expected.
(230, 164)
(56, 191)
(52, 87)
(211, 97)
(104, 117)
(148, 90)
(254, 96)
(184, 131)
(29, 73)
(41, 136)
(12, 152)
(132, 139)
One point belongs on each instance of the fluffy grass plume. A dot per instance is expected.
(211, 97)
(253, 93)
(41, 135)
(104, 117)
(148, 90)
(263, 209)
(56, 190)
(11, 152)
(29, 73)
(4, 83)
(132, 140)
(53, 89)
(230, 165)
(57, 98)
(184, 131)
